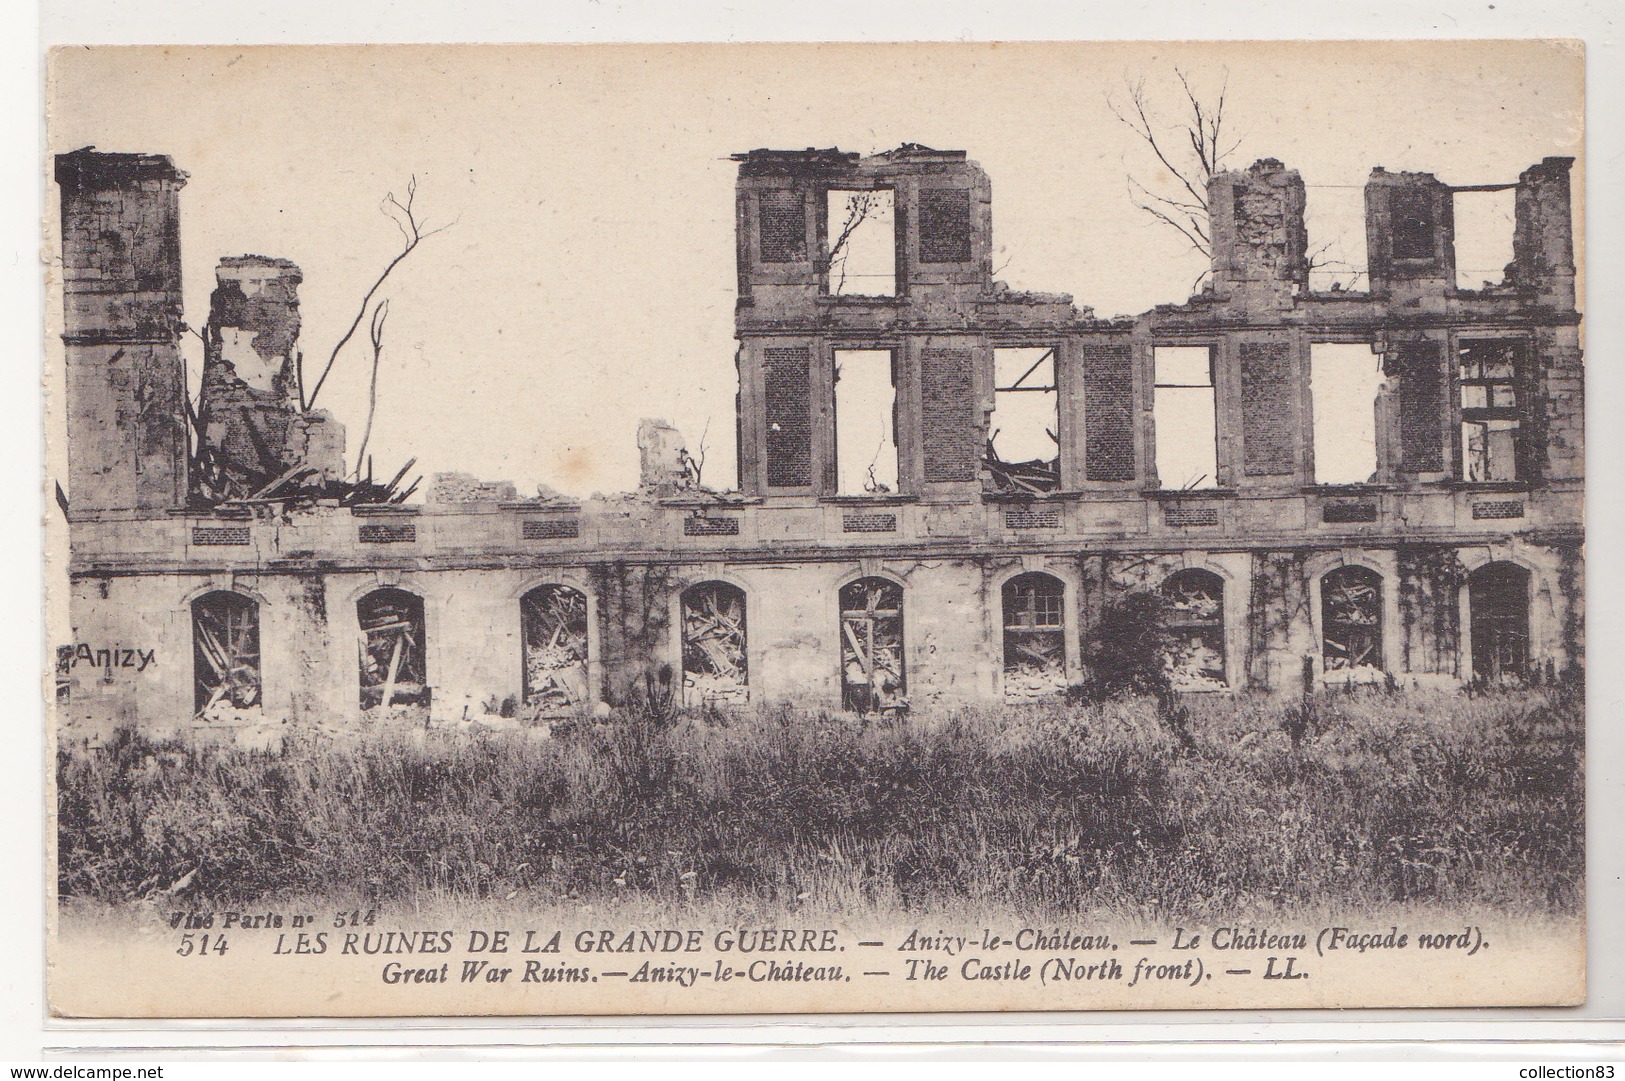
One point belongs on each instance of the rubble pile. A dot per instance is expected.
(467, 488)
(1036, 477)
(392, 653)
(872, 646)
(1031, 682)
(714, 662)
(554, 620)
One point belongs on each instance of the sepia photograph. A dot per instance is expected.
(788, 528)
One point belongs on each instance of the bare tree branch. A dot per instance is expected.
(1201, 130)
(858, 207)
(694, 467)
(376, 333)
(1317, 261)
(1189, 227)
(699, 462)
(1195, 216)
(413, 233)
(874, 485)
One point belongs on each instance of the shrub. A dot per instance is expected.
(1127, 651)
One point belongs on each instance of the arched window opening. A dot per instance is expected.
(1193, 630)
(1034, 636)
(872, 669)
(1351, 623)
(1498, 600)
(715, 665)
(394, 647)
(225, 653)
(553, 628)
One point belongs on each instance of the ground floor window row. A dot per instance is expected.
(393, 649)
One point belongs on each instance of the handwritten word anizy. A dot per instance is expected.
(117, 657)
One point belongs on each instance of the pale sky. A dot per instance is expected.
(589, 277)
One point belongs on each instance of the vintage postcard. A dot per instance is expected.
(564, 530)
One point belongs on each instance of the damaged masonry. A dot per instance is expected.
(943, 483)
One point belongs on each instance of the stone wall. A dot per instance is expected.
(250, 392)
(121, 286)
(133, 635)
(949, 537)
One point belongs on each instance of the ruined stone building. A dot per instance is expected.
(942, 482)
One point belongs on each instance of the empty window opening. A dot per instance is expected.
(872, 670)
(715, 667)
(865, 422)
(1034, 636)
(553, 629)
(1351, 623)
(1334, 217)
(1498, 602)
(862, 245)
(1345, 381)
(1193, 630)
(1024, 443)
(1411, 225)
(1187, 436)
(1483, 226)
(1491, 420)
(225, 654)
(394, 669)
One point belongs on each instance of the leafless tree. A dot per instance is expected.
(1189, 148)
(413, 233)
(694, 465)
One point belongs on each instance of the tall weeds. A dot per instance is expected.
(1416, 798)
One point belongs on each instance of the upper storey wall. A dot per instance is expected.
(1411, 238)
(1259, 243)
(938, 206)
(944, 323)
(121, 286)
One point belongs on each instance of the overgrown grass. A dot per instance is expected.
(1363, 801)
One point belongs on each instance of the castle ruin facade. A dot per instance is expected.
(943, 483)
